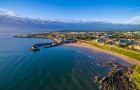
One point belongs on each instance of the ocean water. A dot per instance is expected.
(57, 68)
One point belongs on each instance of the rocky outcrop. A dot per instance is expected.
(119, 78)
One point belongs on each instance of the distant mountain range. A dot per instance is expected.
(20, 24)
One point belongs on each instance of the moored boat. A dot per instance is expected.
(34, 49)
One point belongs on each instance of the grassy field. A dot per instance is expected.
(129, 53)
(136, 76)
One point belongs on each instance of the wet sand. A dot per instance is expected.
(99, 50)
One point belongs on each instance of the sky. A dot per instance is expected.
(115, 11)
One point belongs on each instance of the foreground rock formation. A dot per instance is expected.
(119, 78)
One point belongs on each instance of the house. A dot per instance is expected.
(125, 42)
(68, 41)
(100, 40)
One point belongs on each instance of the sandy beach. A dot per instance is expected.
(95, 49)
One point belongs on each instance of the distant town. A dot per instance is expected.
(129, 40)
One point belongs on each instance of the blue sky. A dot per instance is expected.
(117, 11)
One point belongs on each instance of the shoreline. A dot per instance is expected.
(99, 50)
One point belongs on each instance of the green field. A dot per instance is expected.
(136, 76)
(129, 53)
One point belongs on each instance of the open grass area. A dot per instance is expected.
(136, 76)
(129, 53)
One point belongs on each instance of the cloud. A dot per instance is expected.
(7, 12)
(134, 20)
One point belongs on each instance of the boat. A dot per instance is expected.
(47, 46)
(34, 49)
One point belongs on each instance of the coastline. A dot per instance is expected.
(99, 50)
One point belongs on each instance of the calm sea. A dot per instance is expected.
(57, 68)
